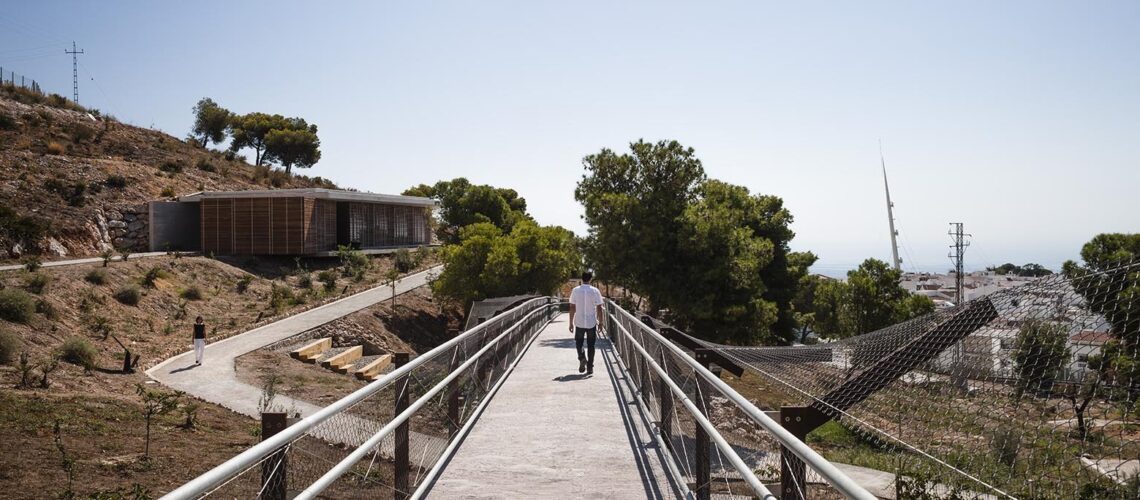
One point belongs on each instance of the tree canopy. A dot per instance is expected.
(210, 121)
(297, 145)
(713, 254)
(1028, 270)
(463, 204)
(870, 299)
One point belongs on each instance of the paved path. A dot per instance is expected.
(216, 380)
(94, 260)
(552, 433)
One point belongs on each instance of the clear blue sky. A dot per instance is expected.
(1021, 119)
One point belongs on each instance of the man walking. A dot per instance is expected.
(585, 309)
(199, 340)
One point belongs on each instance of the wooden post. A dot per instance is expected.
(703, 448)
(273, 470)
(402, 467)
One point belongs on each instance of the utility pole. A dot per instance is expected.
(957, 256)
(895, 260)
(74, 71)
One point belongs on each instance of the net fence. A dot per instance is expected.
(1029, 392)
(382, 441)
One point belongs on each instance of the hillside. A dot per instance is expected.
(75, 183)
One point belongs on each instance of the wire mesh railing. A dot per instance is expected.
(719, 442)
(384, 439)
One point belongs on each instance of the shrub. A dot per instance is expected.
(16, 305)
(47, 309)
(96, 277)
(79, 351)
(281, 297)
(243, 283)
(191, 293)
(74, 194)
(128, 295)
(33, 264)
(328, 278)
(107, 255)
(167, 192)
(81, 132)
(152, 275)
(55, 148)
(100, 325)
(171, 167)
(115, 181)
(7, 122)
(305, 281)
(36, 282)
(9, 345)
(352, 260)
(205, 165)
(404, 261)
(1005, 444)
(23, 228)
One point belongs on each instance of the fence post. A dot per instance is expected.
(273, 469)
(402, 467)
(453, 400)
(703, 448)
(665, 426)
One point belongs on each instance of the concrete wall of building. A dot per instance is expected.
(175, 226)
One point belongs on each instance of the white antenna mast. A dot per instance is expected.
(895, 260)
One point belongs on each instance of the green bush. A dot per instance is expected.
(152, 275)
(328, 278)
(305, 281)
(243, 283)
(16, 305)
(205, 165)
(404, 261)
(281, 297)
(96, 277)
(9, 345)
(27, 229)
(47, 309)
(191, 293)
(79, 351)
(352, 260)
(129, 295)
(33, 264)
(7, 122)
(171, 167)
(167, 192)
(115, 181)
(36, 282)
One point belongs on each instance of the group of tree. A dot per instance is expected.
(870, 299)
(290, 142)
(493, 248)
(1030, 270)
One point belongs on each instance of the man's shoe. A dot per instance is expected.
(581, 365)
(590, 370)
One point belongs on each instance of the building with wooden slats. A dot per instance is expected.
(289, 222)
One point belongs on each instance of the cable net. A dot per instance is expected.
(429, 429)
(1026, 393)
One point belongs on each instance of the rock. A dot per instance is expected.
(114, 215)
(136, 225)
(55, 247)
(117, 224)
(129, 217)
(16, 251)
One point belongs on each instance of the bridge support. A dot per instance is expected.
(799, 420)
(275, 467)
(402, 468)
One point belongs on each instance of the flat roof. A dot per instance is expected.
(321, 193)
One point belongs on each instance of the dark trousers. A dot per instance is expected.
(590, 335)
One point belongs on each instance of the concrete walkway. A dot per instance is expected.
(216, 379)
(95, 260)
(553, 433)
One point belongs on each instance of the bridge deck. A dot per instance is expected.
(552, 433)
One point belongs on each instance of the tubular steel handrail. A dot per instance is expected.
(531, 315)
(629, 343)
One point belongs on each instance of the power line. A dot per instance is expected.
(957, 256)
(74, 70)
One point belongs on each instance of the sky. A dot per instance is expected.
(1019, 119)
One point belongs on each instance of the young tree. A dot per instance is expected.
(1042, 348)
(210, 121)
(155, 403)
(296, 146)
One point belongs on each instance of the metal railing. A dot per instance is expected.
(385, 439)
(720, 442)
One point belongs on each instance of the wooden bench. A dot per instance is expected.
(373, 369)
(311, 351)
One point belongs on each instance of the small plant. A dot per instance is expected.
(9, 344)
(305, 281)
(81, 132)
(328, 278)
(47, 309)
(79, 351)
(125, 253)
(55, 148)
(392, 277)
(403, 261)
(191, 293)
(155, 403)
(190, 414)
(167, 192)
(115, 182)
(154, 274)
(128, 295)
(268, 393)
(281, 297)
(352, 260)
(36, 282)
(171, 167)
(100, 325)
(107, 256)
(16, 305)
(243, 283)
(46, 368)
(205, 165)
(182, 312)
(168, 328)
(96, 277)
(66, 462)
(89, 301)
(25, 367)
(33, 264)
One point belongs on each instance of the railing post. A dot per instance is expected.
(665, 426)
(401, 456)
(799, 421)
(703, 446)
(453, 400)
(274, 468)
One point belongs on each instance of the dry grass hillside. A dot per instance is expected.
(67, 173)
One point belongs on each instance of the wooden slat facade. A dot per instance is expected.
(297, 225)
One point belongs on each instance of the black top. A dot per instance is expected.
(199, 331)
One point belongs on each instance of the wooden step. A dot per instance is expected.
(372, 370)
(344, 359)
(311, 351)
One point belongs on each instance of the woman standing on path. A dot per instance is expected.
(199, 340)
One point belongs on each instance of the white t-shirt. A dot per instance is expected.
(586, 300)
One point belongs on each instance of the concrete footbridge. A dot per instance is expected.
(502, 411)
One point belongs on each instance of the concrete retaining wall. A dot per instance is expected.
(175, 226)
